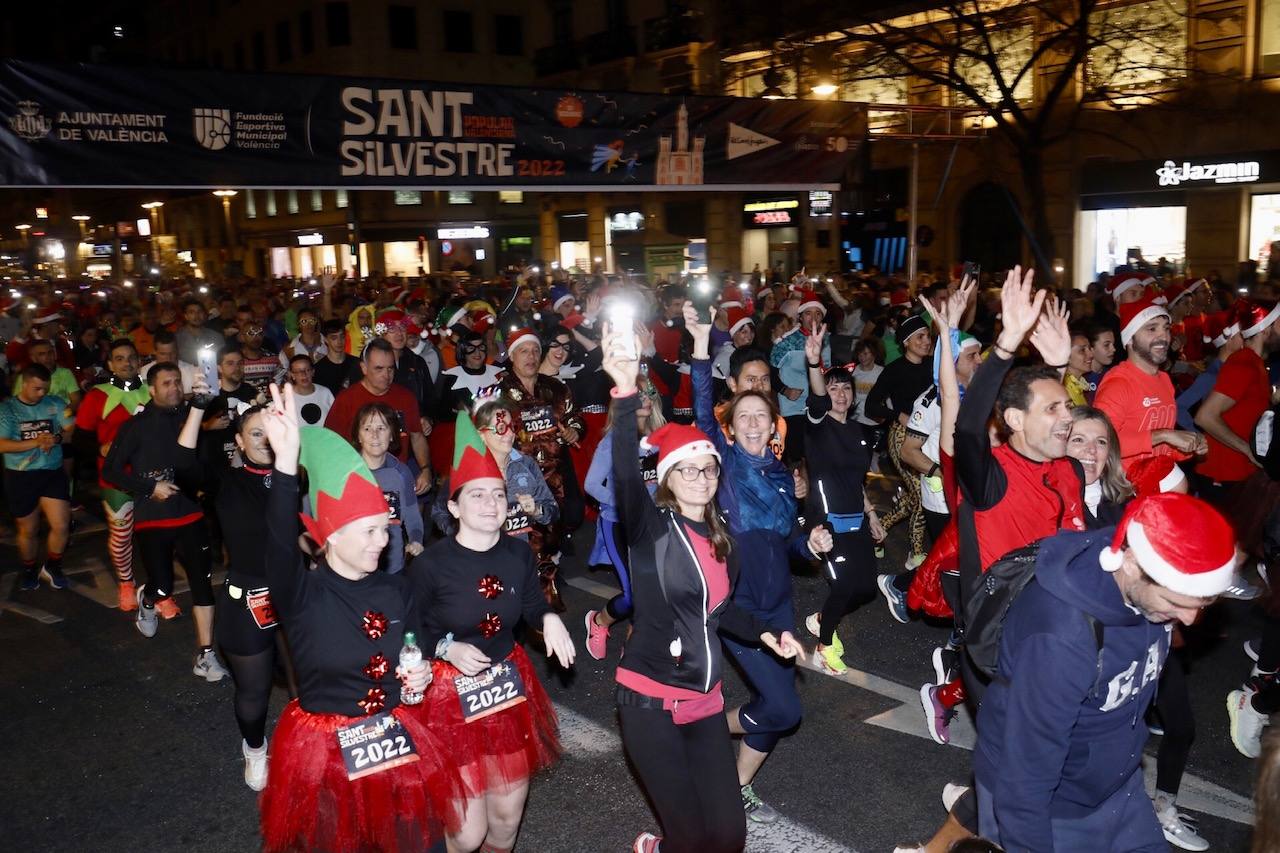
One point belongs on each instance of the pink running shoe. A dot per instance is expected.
(597, 637)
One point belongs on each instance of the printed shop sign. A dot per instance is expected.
(74, 125)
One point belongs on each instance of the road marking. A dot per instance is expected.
(1195, 794)
(8, 582)
(582, 736)
(100, 586)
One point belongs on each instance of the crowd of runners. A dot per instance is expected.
(389, 471)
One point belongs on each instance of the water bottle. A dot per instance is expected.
(410, 656)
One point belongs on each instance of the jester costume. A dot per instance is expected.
(104, 409)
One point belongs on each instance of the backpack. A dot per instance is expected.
(987, 605)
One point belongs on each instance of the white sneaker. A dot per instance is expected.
(1240, 589)
(145, 619)
(1246, 723)
(255, 765)
(814, 625)
(950, 793)
(208, 666)
(1179, 830)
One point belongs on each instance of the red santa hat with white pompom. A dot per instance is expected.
(1180, 542)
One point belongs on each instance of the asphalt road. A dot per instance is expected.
(113, 745)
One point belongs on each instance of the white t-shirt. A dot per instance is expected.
(926, 421)
(313, 408)
(863, 382)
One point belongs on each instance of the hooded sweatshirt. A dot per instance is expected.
(1061, 727)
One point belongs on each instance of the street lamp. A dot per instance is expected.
(226, 196)
(153, 208)
(83, 220)
(23, 228)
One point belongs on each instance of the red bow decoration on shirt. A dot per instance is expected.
(490, 625)
(490, 587)
(374, 624)
(377, 667)
(374, 701)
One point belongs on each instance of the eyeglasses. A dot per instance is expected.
(558, 345)
(689, 473)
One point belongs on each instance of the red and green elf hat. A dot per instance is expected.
(341, 487)
(471, 458)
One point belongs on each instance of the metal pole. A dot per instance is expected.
(912, 215)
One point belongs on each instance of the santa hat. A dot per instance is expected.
(738, 317)
(1134, 315)
(1256, 316)
(450, 316)
(1175, 290)
(390, 317)
(764, 291)
(1220, 327)
(730, 297)
(1121, 282)
(341, 487)
(47, 315)
(559, 294)
(809, 299)
(1191, 288)
(520, 337)
(1180, 542)
(678, 442)
(471, 458)
(1152, 475)
(899, 297)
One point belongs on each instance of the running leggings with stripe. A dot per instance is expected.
(691, 777)
(774, 709)
(619, 607)
(118, 508)
(157, 546)
(909, 504)
(850, 569)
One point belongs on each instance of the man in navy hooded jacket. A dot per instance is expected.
(1061, 731)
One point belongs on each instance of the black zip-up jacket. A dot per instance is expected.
(667, 583)
(145, 452)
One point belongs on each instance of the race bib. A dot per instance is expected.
(374, 745)
(518, 521)
(649, 468)
(393, 505)
(260, 607)
(28, 430)
(497, 688)
(537, 420)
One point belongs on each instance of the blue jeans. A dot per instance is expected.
(1124, 823)
(774, 709)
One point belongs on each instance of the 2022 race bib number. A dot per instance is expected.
(517, 521)
(497, 688)
(537, 420)
(32, 429)
(374, 745)
(393, 505)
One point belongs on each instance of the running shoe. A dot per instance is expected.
(896, 600)
(952, 792)
(814, 625)
(597, 637)
(827, 660)
(944, 663)
(208, 666)
(128, 596)
(1246, 723)
(936, 715)
(54, 576)
(914, 561)
(1179, 830)
(255, 765)
(757, 809)
(1241, 590)
(646, 842)
(30, 579)
(168, 608)
(1252, 648)
(145, 620)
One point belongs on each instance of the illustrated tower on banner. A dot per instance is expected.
(681, 165)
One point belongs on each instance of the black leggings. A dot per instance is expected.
(1173, 701)
(850, 570)
(690, 776)
(157, 546)
(250, 651)
(1267, 698)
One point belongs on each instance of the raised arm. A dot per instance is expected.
(640, 517)
(704, 410)
(286, 574)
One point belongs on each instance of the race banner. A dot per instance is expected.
(101, 126)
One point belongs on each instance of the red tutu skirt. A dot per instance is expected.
(503, 749)
(310, 805)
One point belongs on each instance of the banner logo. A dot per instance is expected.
(743, 141)
(212, 127)
(29, 123)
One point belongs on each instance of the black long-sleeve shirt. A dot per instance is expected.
(456, 589)
(839, 457)
(895, 392)
(345, 635)
(145, 452)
